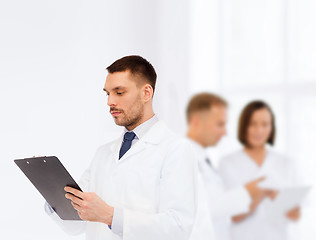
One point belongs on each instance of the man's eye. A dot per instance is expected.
(119, 93)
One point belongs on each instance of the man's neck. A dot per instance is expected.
(195, 138)
(144, 119)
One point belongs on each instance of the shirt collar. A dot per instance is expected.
(143, 128)
(199, 148)
(201, 151)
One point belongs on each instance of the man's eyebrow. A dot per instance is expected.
(116, 88)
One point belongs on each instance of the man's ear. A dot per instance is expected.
(147, 92)
(194, 119)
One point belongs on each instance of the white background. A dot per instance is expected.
(53, 56)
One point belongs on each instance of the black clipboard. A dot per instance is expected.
(50, 177)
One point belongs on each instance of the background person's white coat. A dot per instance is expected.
(237, 169)
(222, 203)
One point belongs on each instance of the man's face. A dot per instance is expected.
(124, 99)
(213, 124)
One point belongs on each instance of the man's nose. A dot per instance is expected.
(111, 101)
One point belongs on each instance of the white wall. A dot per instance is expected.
(53, 59)
(246, 50)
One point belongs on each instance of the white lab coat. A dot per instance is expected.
(238, 169)
(203, 228)
(153, 185)
(222, 203)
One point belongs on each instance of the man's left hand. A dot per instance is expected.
(90, 206)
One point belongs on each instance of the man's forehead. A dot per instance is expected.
(117, 76)
(122, 79)
(117, 80)
(215, 111)
(218, 108)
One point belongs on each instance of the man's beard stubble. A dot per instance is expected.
(132, 119)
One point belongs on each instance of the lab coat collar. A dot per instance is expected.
(153, 136)
(202, 153)
(143, 128)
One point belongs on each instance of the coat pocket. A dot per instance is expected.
(141, 189)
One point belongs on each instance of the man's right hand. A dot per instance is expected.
(257, 194)
(254, 191)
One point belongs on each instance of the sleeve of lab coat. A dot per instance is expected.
(235, 199)
(177, 201)
(68, 226)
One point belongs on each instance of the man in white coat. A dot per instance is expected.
(206, 116)
(143, 185)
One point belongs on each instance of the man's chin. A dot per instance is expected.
(117, 122)
(215, 143)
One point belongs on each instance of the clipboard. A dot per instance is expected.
(50, 177)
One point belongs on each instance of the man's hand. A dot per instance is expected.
(90, 206)
(294, 214)
(254, 191)
(272, 194)
(257, 195)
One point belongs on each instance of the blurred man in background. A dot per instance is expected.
(207, 116)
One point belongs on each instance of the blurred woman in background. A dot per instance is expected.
(256, 130)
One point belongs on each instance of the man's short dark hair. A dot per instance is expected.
(138, 66)
(202, 102)
(245, 117)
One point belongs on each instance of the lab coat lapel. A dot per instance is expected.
(138, 147)
(115, 148)
(153, 136)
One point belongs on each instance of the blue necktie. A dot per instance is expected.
(127, 142)
(208, 161)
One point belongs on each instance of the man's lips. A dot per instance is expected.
(115, 113)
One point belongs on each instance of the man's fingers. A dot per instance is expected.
(77, 208)
(256, 181)
(260, 179)
(74, 199)
(75, 205)
(74, 191)
(272, 194)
